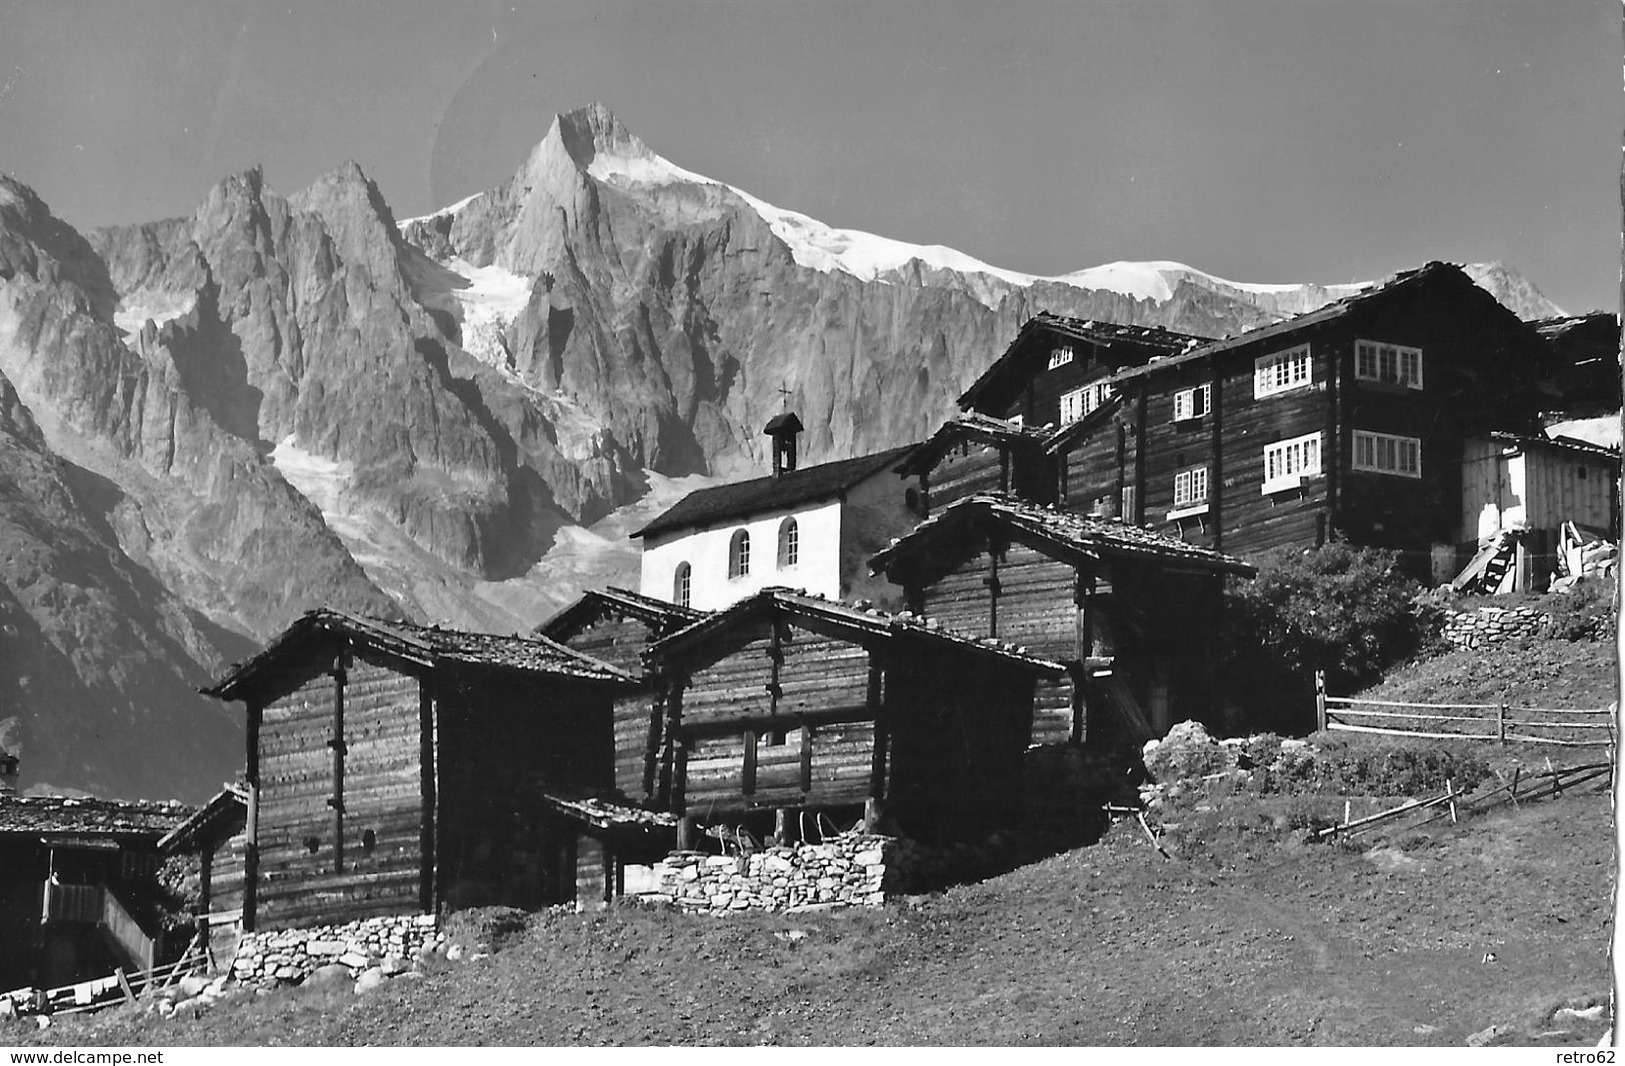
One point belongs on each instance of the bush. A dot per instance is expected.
(1585, 612)
(1347, 611)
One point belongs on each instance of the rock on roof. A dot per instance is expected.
(1082, 535)
(860, 619)
(1139, 343)
(88, 816)
(740, 499)
(971, 425)
(1403, 281)
(595, 603)
(426, 645)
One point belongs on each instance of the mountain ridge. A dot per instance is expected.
(282, 402)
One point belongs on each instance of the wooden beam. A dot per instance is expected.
(336, 743)
(669, 741)
(875, 703)
(806, 754)
(429, 800)
(1215, 481)
(747, 783)
(251, 846)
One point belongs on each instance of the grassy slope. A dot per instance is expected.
(1247, 937)
(1104, 945)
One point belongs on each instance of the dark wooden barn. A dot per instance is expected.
(616, 626)
(1582, 372)
(972, 453)
(76, 887)
(1134, 615)
(787, 704)
(1349, 420)
(394, 768)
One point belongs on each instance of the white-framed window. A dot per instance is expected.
(739, 554)
(1080, 401)
(1059, 357)
(1190, 487)
(1193, 403)
(1281, 371)
(789, 544)
(1387, 454)
(1288, 462)
(682, 584)
(1392, 363)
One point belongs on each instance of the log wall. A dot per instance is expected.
(347, 874)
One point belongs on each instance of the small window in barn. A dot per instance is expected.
(789, 544)
(1192, 403)
(739, 554)
(771, 738)
(1281, 371)
(911, 500)
(1060, 357)
(369, 841)
(1391, 363)
(313, 844)
(1581, 472)
(682, 584)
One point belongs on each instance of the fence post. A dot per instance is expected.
(1450, 790)
(1320, 700)
(1501, 721)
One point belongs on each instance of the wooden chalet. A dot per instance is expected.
(1055, 371)
(1583, 371)
(76, 877)
(616, 626)
(973, 453)
(1349, 419)
(1134, 614)
(788, 705)
(395, 768)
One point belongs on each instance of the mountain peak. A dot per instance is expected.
(591, 131)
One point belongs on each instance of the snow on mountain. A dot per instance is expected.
(621, 160)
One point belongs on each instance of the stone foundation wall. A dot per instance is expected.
(288, 956)
(1487, 625)
(846, 871)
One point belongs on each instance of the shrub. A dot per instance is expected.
(1347, 611)
(1585, 612)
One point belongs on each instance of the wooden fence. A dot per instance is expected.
(1503, 722)
(1453, 804)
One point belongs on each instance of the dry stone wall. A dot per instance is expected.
(1488, 625)
(846, 871)
(288, 956)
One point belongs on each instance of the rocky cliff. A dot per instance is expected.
(282, 402)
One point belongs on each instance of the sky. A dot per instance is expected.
(1258, 140)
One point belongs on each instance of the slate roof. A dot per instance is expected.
(1082, 535)
(970, 425)
(1559, 325)
(1403, 281)
(88, 816)
(904, 625)
(595, 603)
(428, 646)
(226, 808)
(1143, 342)
(1571, 444)
(741, 498)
